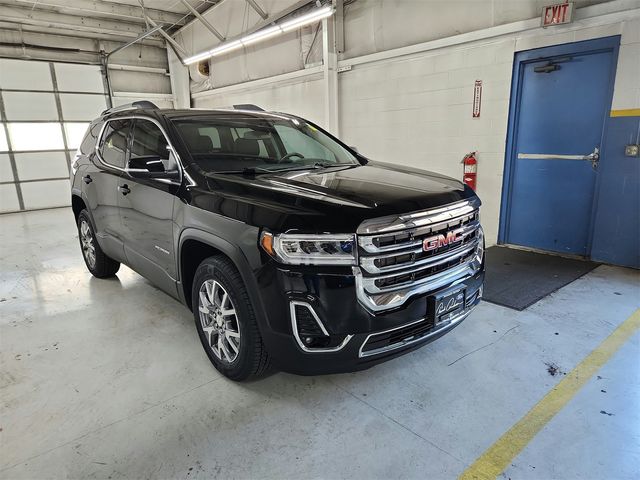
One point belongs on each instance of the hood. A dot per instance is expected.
(333, 199)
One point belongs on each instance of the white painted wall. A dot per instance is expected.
(303, 97)
(412, 105)
(416, 110)
(379, 25)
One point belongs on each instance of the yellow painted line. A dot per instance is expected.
(499, 456)
(629, 112)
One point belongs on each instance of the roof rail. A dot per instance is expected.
(131, 106)
(248, 106)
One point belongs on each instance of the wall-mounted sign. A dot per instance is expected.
(477, 97)
(557, 14)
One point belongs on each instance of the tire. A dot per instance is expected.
(232, 341)
(97, 262)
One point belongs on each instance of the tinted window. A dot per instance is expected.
(90, 138)
(148, 141)
(114, 142)
(263, 144)
(295, 140)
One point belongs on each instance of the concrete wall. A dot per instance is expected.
(412, 105)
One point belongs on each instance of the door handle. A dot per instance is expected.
(124, 189)
(87, 179)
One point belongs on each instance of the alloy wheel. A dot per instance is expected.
(88, 246)
(219, 321)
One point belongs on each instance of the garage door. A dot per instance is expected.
(45, 108)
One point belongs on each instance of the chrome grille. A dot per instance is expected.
(392, 257)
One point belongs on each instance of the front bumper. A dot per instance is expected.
(360, 338)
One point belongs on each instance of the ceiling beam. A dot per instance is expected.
(62, 32)
(26, 16)
(262, 23)
(204, 21)
(111, 10)
(179, 49)
(195, 20)
(257, 8)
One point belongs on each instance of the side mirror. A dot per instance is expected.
(150, 166)
(143, 174)
(152, 163)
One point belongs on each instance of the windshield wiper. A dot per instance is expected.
(254, 170)
(311, 166)
(245, 171)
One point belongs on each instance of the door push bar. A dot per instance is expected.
(593, 157)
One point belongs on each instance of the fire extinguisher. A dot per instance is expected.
(470, 169)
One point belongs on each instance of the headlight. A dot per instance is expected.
(301, 249)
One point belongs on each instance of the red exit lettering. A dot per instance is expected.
(557, 14)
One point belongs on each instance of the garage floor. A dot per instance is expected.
(107, 379)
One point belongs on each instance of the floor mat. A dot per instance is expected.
(517, 278)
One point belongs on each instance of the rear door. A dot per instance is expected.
(563, 98)
(100, 181)
(146, 207)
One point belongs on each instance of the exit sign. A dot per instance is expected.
(557, 14)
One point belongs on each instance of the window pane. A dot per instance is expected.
(79, 78)
(74, 133)
(24, 75)
(6, 173)
(9, 198)
(46, 194)
(30, 106)
(148, 140)
(91, 138)
(39, 165)
(3, 140)
(79, 107)
(35, 136)
(114, 142)
(295, 140)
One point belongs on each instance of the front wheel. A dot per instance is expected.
(226, 322)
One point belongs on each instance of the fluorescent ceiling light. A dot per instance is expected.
(301, 21)
(225, 47)
(306, 19)
(261, 35)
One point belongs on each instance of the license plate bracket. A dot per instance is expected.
(442, 306)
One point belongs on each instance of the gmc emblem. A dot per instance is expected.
(437, 241)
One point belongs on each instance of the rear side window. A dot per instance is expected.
(113, 146)
(90, 138)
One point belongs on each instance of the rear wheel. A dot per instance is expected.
(99, 264)
(226, 322)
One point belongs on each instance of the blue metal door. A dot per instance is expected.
(560, 100)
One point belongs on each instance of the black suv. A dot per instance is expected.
(289, 246)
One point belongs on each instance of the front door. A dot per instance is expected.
(560, 100)
(146, 208)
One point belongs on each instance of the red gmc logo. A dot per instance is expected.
(437, 241)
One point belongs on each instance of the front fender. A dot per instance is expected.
(244, 246)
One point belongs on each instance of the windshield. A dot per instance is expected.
(240, 144)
